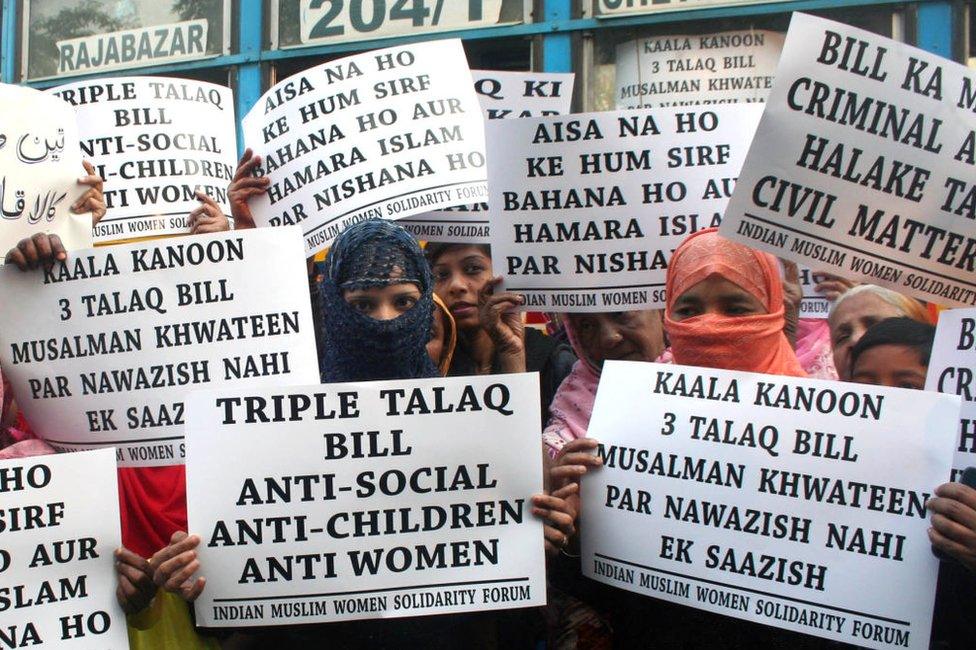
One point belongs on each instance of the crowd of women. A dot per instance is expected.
(387, 309)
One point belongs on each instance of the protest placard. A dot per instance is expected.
(683, 70)
(103, 348)
(813, 304)
(591, 206)
(772, 499)
(155, 141)
(502, 95)
(40, 164)
(951, 370)
(861, 164)
(57, 544)
(389, 134)
(382, 500)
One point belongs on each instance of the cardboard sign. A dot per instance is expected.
(133, 48)
(57, 545)
(685, 70)
(40, 164)
(503, 95)
(862, 164)
(384, 134)
(388, 501)
(155, 141)
(591, 206)
(951, 371)
(772, 499)
(813, 305)
(103, 348)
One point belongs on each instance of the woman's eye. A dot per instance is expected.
(362, 306)
(474, 269)
(406, 302)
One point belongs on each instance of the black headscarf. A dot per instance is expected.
(375, 253)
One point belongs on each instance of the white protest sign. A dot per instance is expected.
(951, 370)
(103, 348)
(813, 304)
(684, 70)
(502, 95)
(390, 500)
(623, 7)
(130, 48)
(59, 528)
(155, 141)
(861, 164)
(389, 133)
(591, 206)
(773, 499)
(40, 164)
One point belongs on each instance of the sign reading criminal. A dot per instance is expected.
(382, 500)
(773, 499)
(862, 164)
(104, 346)
(951, 371)
(591, 206)
(386, 134)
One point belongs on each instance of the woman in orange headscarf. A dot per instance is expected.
(725, 307)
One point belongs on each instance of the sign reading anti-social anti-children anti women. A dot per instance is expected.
(591, 206)
(57, 544)
(772, 499)
(503, 95)
(384, 134)
(378, 500)
(155, 141)
(863, 162)
(952, 369)
(40, 164)
(103, 348)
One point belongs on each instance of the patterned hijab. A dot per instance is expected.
(375, 253)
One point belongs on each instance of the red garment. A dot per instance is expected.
(749, 343)
(153, 506)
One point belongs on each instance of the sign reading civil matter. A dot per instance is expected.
(381, 501)
(863, 162)
(155, 141)
(772, 499)
(951, 371)
(57, 545)
(591, 206)
(130, 48)
(503, 95)
(686, 70)
(384, 134)
(103, 347)
(40, 164)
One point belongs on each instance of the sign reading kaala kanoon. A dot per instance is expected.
(773, 499)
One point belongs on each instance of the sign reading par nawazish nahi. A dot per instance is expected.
(155, 141)
(591, 206)
(382, 503)
(863, 164)
(131, 48)
(104, 347)
(57, 544)
(503, 95)
(384, 134)
(772, 499)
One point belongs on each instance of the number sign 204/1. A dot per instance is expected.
(352, 19)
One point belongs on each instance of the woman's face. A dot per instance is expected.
(459, 276)
(850, 320)
(383, 303)
(435, 347)
(628, 335)
(898, 366)
(716, 295)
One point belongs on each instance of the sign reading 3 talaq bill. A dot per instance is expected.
(796, 503)
(591, 206)
(863, 164)
(384, 134)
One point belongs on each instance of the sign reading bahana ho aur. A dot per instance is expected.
(773, 499)
(863, 163)
(591, 206)
(385, 134)
(103, 348)
(381, 501)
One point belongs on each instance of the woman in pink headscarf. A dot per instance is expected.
(16, 439)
